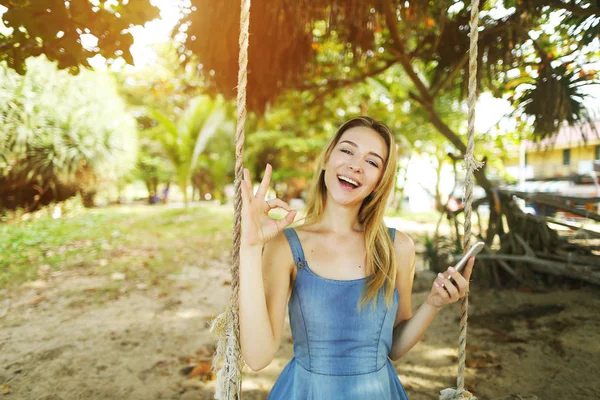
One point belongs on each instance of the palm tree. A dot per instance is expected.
(185, 137)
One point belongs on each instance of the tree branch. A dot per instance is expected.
(445, 130)
(427, 102)
(572, 8)
(442, 26)
(7, 46)
(400, 51)
(452, 75)
(550, 201)
(337, 83)
(538, 48)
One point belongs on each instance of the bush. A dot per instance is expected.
(60, 135)
(438, 252)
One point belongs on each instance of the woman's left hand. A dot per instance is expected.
(445, 291)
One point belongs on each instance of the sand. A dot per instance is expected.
(64, 338)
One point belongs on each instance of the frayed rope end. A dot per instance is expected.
(227, 365)
(471, 163)
(456, 394)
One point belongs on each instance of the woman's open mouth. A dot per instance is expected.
(348, 183)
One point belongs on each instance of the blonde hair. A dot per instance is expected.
(381, 259)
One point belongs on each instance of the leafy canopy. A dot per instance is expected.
(56, 28)
(333, 43)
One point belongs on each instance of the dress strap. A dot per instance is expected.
(297, 251)
(392, 233)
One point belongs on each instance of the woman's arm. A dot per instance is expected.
(410, 329)
(264, 290)
(409, 332)
(264, 275)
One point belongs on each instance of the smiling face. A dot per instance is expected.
(355, 165)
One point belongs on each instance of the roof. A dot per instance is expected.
(569, 136)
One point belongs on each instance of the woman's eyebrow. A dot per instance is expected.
(355, 145)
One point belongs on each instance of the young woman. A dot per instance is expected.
(347, 276)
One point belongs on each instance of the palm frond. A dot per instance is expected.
(211, 126)
(556, 97)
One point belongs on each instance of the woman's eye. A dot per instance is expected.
(373, 163)
(346, 151)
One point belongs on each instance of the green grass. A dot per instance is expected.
(146, 243)
(143, 242)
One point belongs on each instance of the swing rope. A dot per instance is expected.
(470, 165)
(227, 362)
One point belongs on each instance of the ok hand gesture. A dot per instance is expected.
(257, 227)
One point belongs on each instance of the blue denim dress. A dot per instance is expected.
(339, 353)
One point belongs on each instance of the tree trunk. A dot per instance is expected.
(438, 194)
(87, 198)
(399, 187)
(456, 142)
(587, 273)
(553, 201)
(183, 188)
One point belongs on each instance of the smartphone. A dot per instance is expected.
(473, 251)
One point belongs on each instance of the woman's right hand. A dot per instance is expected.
(257, 227)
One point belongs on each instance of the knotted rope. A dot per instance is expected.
(227, 362)
(470, 165)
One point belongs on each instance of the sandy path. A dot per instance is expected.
(57, 343)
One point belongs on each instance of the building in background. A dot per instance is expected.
(567, 163)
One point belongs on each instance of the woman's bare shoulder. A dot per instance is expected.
(402, 241)
(277, 251)
(277, 244)
(404, 248)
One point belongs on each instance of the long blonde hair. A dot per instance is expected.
(381, 259)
